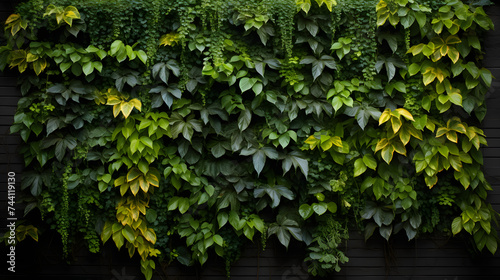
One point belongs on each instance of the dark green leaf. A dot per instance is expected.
(244, 119)
(259, 160)
(283, 236)
(386, 231)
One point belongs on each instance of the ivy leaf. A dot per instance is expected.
(320, 208)
(34, 181)
(259, 160)
(150, 235)
(88, 68)
(130, 52)
(116, 47)
(317, 69)
(53, 124)
(160, 70)
(118, 239)
(390, 38)
(296, 159)
(218, 150)
(305, 211)
(362, 112)
(259, 156)
(183, 205)
(128, 233)
(265, 32)
(385, 231)
(284, 228)
(166, 94)
(455, 98)
(275, 193)
(186, 127)
(106, 232)
(218, 240)
(491, 243)
(283, 236)
(222, 219)
(390, 65)
(319, 64)
(244, 119)
(359, 167)
(456, 225)
(235, 221)
(247, 83)
(370, 161)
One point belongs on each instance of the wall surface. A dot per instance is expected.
(429, 259)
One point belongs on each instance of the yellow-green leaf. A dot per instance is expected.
(396, 124)
(126, 108)
(387, 153)
(405, 114)
(116, 110)
(428, 76)
(136, 103)
(399, 147)
(337, 141)
(404, 134)
(134, 186)
(123, 188)
(456, 98)
(133, 174)
(382, 143)
(385, 116)
(453, 54)
(152, 179)
(452, 39)
(143, 183)
(430, 181)
(452, 136)
(150, 235)
(441, 131)
(118, 239)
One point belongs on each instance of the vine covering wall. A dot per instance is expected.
(180, 130)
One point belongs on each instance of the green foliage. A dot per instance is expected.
(324, 256)
(211, 103)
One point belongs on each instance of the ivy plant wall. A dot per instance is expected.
(180, 130)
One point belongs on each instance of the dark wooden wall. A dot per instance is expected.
(423, 259)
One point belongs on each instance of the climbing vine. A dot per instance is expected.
(181, 129)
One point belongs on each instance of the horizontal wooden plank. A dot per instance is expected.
(492, 132)
(8, 78)
(491, 152)
(10, 139)
(419, 260)
(8, 102)
(6, 149)
(11, 163)
(415, 271)
(5, 130)
(6, 91)
(492, 60)
(492, 143)
(7, 111)
(6, 121)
